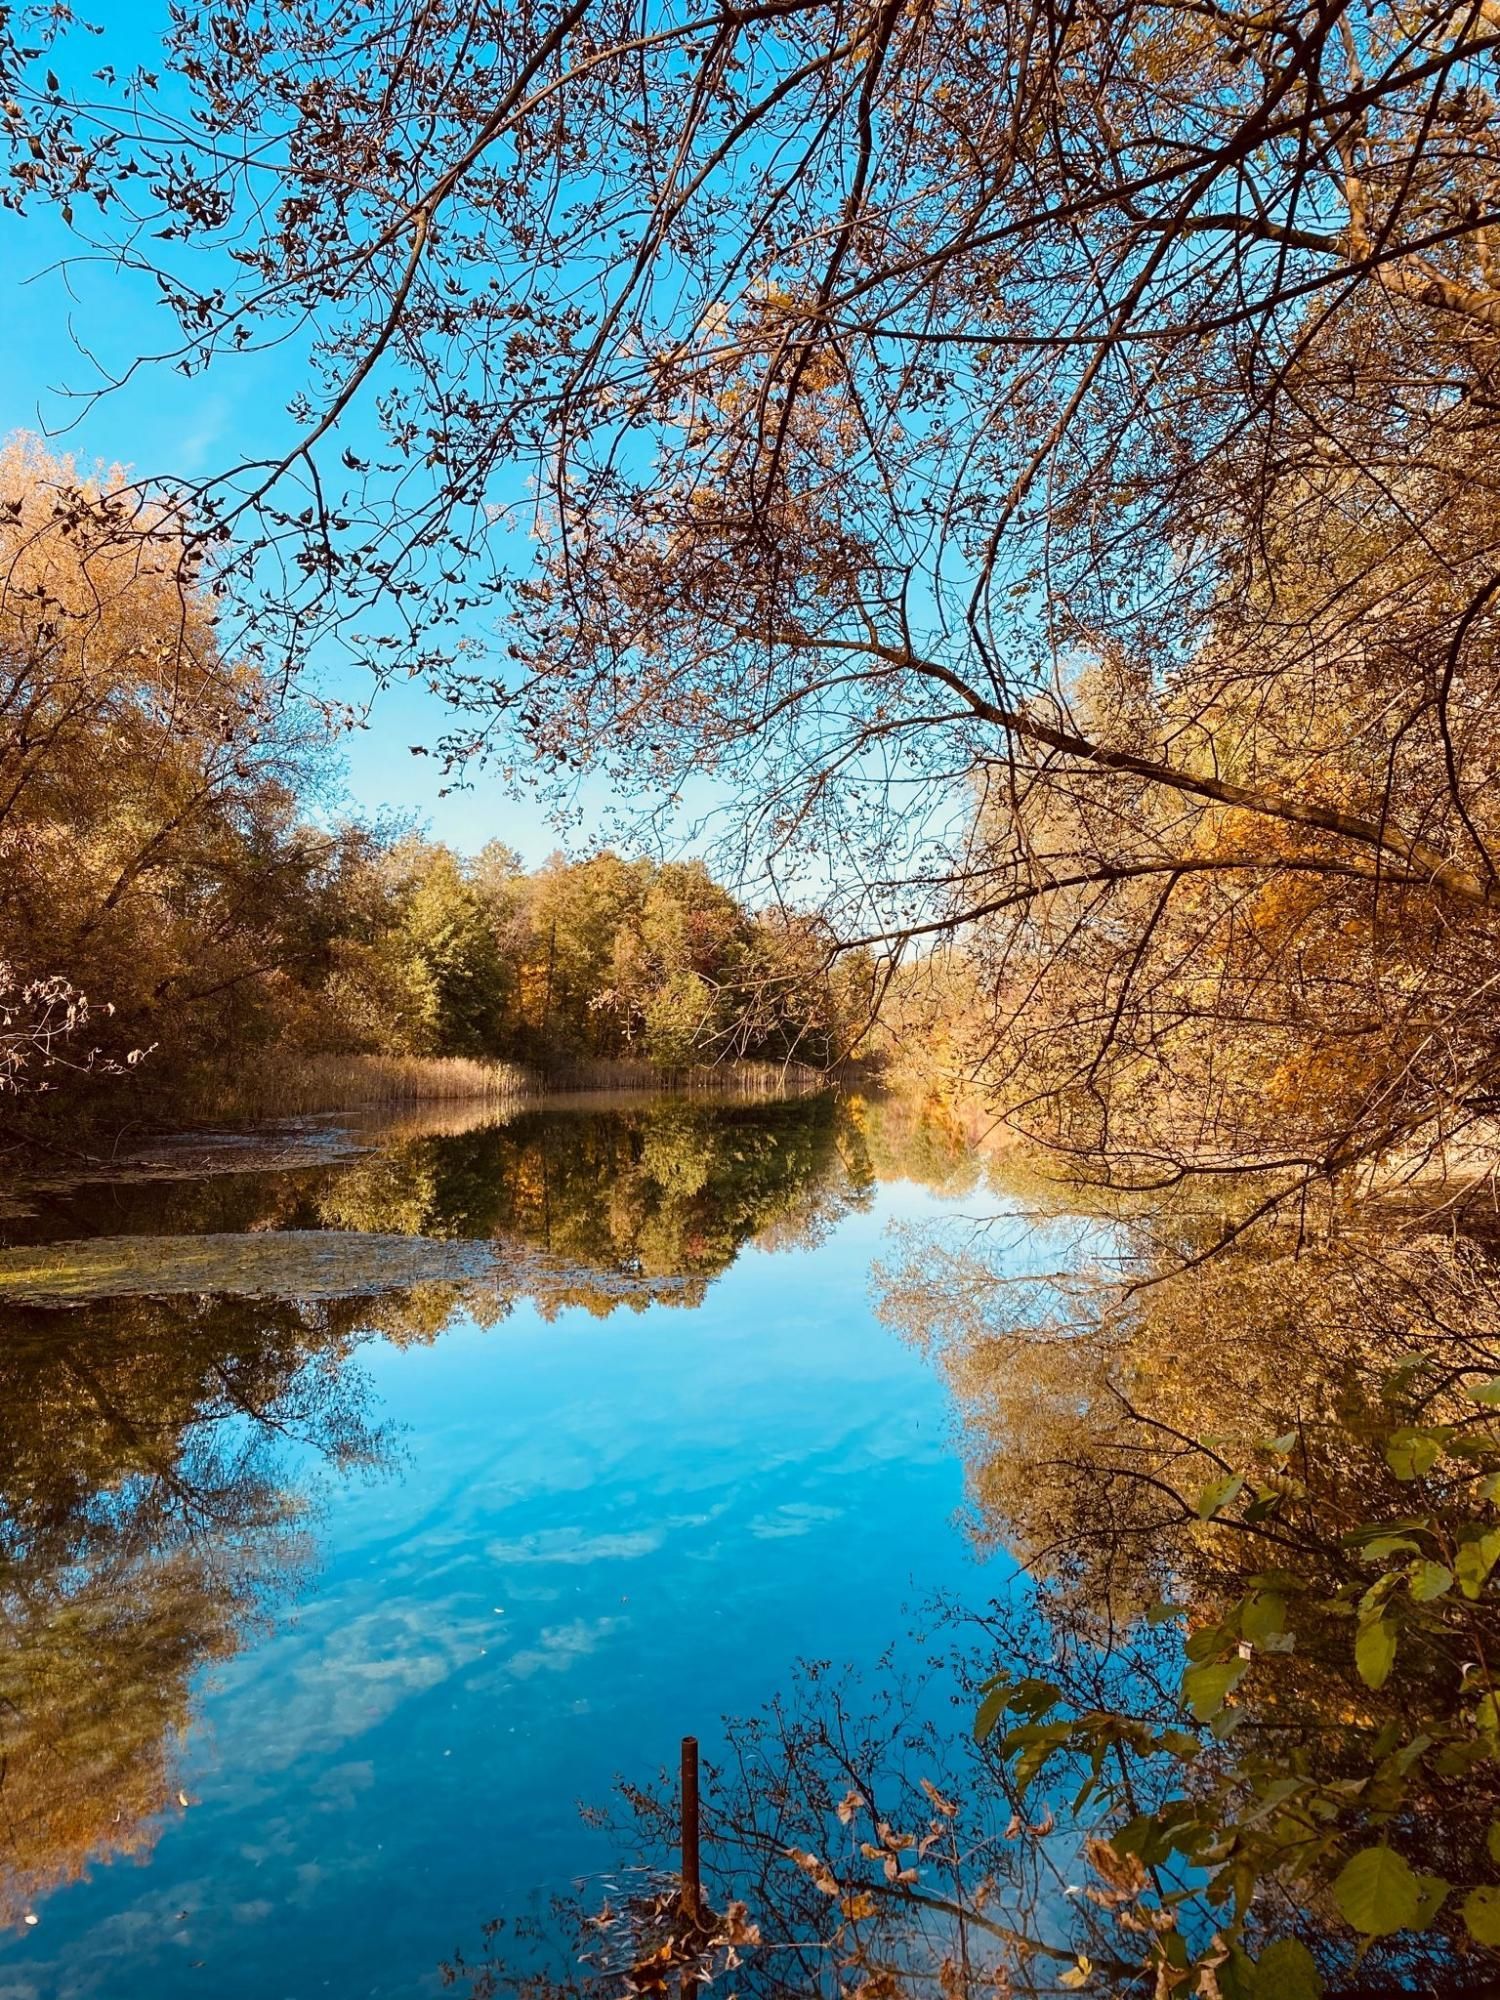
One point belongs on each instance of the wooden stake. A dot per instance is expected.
(692, 1891)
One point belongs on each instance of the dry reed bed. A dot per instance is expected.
(349, 1082)
(291, 1086)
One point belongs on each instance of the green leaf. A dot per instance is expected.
(1429, 1580)
(1482, 1915)
(1410, 1453)
(1218, 1493)
(1271, 1797)
(1208, 1642)
(1372, 1600)
(1286, 1970)
(1263, 1617)
(1162, 1612)
(1485, 1392)
(1179, 1743)
(1377, 1893)
(1142, 1836)
(1475, 1560)
(1236, 1975)
(1411, 1753)
(1492, 1840)
(1471, 1444)
(1385, 1546)
(1432, 1893)
(1049, 1737)
(1204, 1688)
(1409, 1524)
(990, 1711)
(1375, 1651)
(1032, 1697)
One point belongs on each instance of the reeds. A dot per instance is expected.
(287, 1086)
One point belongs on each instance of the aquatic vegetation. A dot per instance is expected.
(303, 1264)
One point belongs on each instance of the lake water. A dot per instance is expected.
(334, 1583)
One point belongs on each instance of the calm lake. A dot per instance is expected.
(371, 1500)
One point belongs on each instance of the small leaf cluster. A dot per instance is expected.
(1327, 1710)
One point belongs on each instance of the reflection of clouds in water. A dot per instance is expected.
(559, 1646)
(359, 1675)
(572, 1545)
(149, 1928)
(362, 1672)
(310, 1877)
(798, 1517)
(340, 1787)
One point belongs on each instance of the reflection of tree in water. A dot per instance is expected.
(796, 1905)
(662, 1190)
(148, 1520)
(1287, 1454)
(1244, 1740)
(656, 1188)
(908, 1139)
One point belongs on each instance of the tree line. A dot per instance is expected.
(178, 893)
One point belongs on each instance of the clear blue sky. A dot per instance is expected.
(58, 329)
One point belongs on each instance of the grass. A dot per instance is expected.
(275, 1263)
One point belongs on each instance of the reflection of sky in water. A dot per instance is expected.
(606, 1533)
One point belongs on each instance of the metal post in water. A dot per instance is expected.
(692, 1892)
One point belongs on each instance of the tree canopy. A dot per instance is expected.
(1039, 457)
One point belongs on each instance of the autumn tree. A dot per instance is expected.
(1038, 461)
(1282, 1455)
(155, 868)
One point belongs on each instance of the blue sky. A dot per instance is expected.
(59, 328)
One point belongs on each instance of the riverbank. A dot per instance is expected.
(292, 1087)
(361, 1082)
(202, 1147)
(37, 1134)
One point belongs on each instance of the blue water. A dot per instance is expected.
(601, 1533)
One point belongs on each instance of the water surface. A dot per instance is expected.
(329, 1600)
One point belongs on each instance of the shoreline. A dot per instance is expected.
(322, 1084)
(316, 1133)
